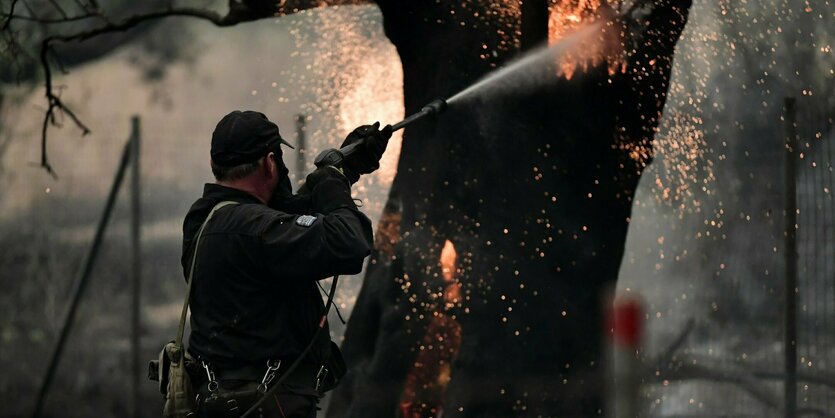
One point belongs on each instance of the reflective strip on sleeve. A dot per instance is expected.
(305, 220)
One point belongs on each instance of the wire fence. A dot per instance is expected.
(740, 346)
(739, 356)
(816, 256)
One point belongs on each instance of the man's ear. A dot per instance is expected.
(271, 166)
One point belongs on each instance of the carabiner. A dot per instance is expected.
(212, 385)
(269, 375)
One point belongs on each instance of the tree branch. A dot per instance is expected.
(239, 11)
(54, 103)
(10, 15)
(747, 381)
(672, 366)
(693, 370)
(816, 379)
(59, 9)
(669, 353)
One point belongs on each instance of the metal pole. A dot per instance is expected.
(136, 270)
(790, 385)
(81, 283)
(534, 23)
(300, 140)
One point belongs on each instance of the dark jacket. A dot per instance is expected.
(255, 295)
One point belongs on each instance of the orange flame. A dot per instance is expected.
(448, 258)
(452, 292)
(569, 16)
(431, 373)
(388, 232)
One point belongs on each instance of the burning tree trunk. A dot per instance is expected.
(534, 190)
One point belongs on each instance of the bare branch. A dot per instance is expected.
(84, 6)
(693, 370)
(54, 103)
(9, 16)
(664, 367)
(239, 12)
(668, 354)
(671, 365)
(59, 9)
(816, 379)
(747, 381)
(29, 9)
(133, 21)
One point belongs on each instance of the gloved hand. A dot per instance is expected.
(320, 174)
(327, 189)
(366, 146)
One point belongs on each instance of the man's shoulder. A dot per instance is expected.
(256, 211)
(250, 218)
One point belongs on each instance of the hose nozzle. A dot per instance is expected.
(435, 107)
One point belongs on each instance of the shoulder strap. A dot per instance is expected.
(179, 340)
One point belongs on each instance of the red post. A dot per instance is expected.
(625, 327)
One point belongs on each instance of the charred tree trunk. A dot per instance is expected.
(535, 193)
(534, 23)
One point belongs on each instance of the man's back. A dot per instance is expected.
(257, 324)
(254, 294)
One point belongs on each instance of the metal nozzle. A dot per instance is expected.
(436, 107)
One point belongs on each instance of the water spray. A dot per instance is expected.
(522, 74)
(334, 157)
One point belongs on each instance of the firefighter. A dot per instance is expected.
(255, 304)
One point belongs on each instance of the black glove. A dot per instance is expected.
(294, 203)
(317, 176)
(362, 150)
(327, 189)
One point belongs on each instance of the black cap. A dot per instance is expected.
(243, 137)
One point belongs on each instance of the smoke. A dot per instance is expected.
(705, 242)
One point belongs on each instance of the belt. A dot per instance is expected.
(305, 376)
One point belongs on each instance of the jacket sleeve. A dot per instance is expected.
(334, 240)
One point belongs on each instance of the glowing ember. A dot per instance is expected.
(430, 375)
(354, 73)
(567, 17)
(372, 99)
(682, 171)
(388, 232)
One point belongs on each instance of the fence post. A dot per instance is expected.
(81, 282)
(300, 143)
(790, 225)
(625, 324)
(136, 270)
